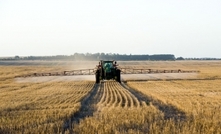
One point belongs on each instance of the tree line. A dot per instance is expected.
(97, 56)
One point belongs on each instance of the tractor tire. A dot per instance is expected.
(118, 76)
(102, 74)
(97, 77)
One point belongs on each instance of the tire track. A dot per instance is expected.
(170, 112)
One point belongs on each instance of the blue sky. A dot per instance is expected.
(188, 28)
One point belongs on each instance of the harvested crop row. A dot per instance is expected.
(114, 95)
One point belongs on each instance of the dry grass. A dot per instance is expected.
(81, 107)
(37, 107)
(200, 100)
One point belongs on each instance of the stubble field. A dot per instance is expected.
(165, 106)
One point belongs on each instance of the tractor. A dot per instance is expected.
(107, 70)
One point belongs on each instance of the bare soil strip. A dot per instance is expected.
(170, 112)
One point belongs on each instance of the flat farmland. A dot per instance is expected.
(65, 105)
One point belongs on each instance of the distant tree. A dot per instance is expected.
(17, 57)
(179, 58)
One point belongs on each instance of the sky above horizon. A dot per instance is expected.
(187, 28)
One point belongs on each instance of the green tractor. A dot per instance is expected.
(107, 70)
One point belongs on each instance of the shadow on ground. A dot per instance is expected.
(88, 107)
(170, 111)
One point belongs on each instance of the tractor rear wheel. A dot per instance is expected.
(97, 76)
(118, 76)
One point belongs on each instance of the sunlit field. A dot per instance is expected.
(166, 106)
